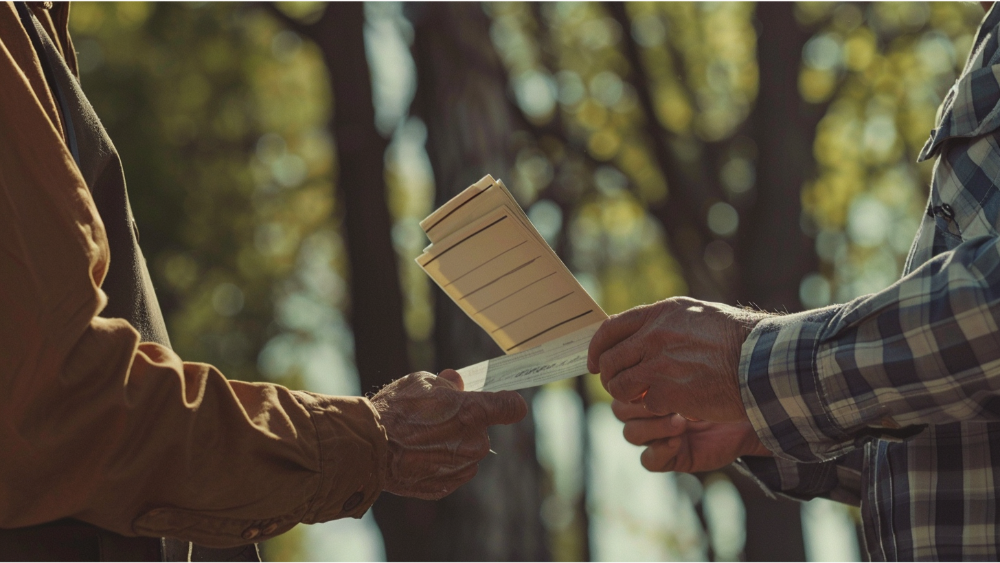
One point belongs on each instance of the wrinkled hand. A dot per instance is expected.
(675, 444)
(437, 432)
(680, 355)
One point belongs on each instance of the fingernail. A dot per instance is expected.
(493, 452)
(676, 420)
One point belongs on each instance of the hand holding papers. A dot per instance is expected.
(488, 257)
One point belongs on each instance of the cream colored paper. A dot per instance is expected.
(488, 257)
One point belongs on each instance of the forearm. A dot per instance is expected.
(137, 442)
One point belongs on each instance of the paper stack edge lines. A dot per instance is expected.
(488, 257)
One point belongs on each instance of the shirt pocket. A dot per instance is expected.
(210, 530)
(964, 202)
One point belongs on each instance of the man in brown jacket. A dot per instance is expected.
(108, 440)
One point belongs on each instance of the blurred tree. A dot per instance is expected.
(227, 175)
(412, 529)
(461, 96)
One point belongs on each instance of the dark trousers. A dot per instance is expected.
(72, 540)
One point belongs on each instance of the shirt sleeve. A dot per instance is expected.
(98, 426)
(924, 351)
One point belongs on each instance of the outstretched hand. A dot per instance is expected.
(437, 432)
(675, 444)
(680, 355)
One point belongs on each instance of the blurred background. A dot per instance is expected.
(280, 156)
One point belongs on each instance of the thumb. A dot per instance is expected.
(504, 407)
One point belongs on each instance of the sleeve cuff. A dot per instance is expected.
(781, 476)
(838, 480)
(352, 449)
(781, 390)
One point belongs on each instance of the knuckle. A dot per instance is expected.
(412, 377)
(619, 387)
(607, 364)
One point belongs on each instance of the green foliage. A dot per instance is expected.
(219, 116)
(882, 73)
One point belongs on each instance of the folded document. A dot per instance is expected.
(488, 257)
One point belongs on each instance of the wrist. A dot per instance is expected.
(392, 447)
(745, 321)
(755, 447)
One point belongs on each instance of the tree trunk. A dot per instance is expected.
(461, 98)
(774, 254)
(380, 340)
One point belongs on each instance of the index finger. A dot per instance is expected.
(614, 330)
(501, 407)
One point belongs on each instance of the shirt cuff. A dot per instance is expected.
(782, 476)
(352, 448)
(837, 480)
(781, 388)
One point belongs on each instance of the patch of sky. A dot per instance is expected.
(393, 73)
(635, 515)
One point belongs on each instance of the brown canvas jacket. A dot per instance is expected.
(99, 426)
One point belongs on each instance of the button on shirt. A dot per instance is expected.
(892, 401)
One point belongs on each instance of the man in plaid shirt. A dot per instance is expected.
(890, 401)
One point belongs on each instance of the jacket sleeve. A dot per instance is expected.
(98, 426)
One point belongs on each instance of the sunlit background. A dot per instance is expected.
(660, 149)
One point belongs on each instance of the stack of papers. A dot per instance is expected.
(488, 257)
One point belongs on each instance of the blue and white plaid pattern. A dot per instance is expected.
(892, 401)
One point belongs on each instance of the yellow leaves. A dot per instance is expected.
(604, 144)
(634, 159)
(895, 68)
(311, 206)
(133, 14)
(87, 17)
(652, 277)
(591, 114)
(619, 217)
(816, 85)
(859, 49)
(673, 108)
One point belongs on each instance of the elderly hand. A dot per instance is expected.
(437, 432)
(675, 444)
(680, 355)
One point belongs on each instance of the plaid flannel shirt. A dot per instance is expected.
(892, 401)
